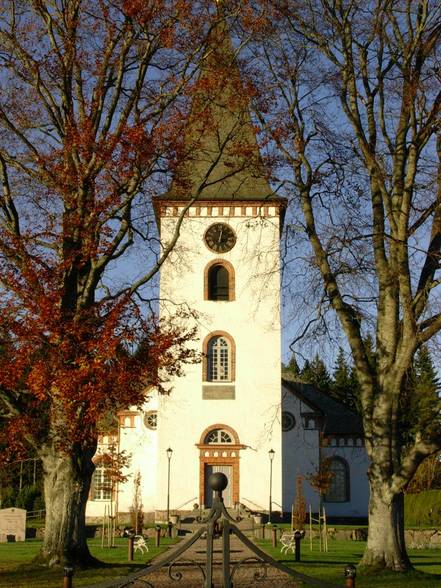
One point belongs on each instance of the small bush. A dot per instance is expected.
(136, 520)
(26, 497)
(298, 518)
(39, 503)
(423, 508)
(9, 496)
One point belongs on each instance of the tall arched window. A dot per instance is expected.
(339, 490)
(219, 360)
(218, 283)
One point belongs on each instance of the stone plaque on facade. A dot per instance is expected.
(12, 524)
(218, 392)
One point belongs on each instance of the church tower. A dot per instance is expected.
(224, 413)
(227, 413)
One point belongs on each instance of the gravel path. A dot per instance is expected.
(188, 571)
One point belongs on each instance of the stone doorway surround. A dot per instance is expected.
(216, 454)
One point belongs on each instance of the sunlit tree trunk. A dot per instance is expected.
(67, 481)
(357, 101)
(385, 545)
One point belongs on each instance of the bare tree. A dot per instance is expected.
(349, 96)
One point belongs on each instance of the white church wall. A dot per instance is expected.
(252, 320)
(140, 443)
(300, 453)
(301, 456)
(357, 460)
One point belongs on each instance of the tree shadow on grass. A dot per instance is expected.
(26, 575)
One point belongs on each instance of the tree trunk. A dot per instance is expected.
(67, 479)
(385, 546)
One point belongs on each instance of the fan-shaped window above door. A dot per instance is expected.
(217, 437)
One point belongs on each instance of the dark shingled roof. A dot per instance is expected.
(220, 138)
(338, 419)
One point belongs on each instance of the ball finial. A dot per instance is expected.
(218, 481)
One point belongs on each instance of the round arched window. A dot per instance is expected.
(218, 436)
(339, 489)
(151, 419)
(219, 359)
(288, 421)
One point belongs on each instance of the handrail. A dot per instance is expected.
(255, 504)
(185, 503)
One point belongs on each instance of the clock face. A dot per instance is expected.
(220, 237)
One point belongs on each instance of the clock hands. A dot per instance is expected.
(220, 237)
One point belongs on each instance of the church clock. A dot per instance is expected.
(220, 238)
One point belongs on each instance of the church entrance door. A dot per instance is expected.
(227, 493)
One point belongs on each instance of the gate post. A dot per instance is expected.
(350, 574)
(217, 482)
(274, 532)
(209, 566)
(226, 554)
(130, 548)
(297, 539)
(67, 579)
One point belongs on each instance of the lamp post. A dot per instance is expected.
(169, 453)
(271, 453)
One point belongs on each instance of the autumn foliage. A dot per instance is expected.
(94, 101)
(84, 127)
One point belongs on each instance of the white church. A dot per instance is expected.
(232, 412)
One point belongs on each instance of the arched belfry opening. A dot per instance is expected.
(219, 449)
(219, 281)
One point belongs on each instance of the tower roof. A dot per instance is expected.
(222, 159)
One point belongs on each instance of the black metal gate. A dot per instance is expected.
(260, 562)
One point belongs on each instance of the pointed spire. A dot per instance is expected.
(220, 140)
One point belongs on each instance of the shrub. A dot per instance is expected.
(423, 508)
(299, 507)
(39, 503)
(9, 496)
(26, 497)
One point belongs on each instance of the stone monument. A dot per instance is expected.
(12, 524)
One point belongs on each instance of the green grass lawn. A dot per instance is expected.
(329, 566)
(16, 569)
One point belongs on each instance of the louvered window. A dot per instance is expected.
(218, 283)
